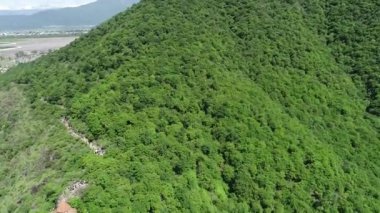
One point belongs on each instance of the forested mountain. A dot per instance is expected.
(89, 14)
(202, 106)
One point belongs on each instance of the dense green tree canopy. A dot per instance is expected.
(214, 106)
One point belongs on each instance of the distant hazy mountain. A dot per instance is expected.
(89, 14)
(17, 12)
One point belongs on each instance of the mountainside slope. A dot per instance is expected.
(208, 106)
(354, 36)
(90, 14)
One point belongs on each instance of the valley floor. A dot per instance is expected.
(21, 50)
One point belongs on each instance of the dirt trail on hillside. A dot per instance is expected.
(95, 148)
(74, 190)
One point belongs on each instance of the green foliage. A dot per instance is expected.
(212, 106)
(353, 34)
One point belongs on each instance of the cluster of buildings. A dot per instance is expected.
(41, 33)
(9, 62)
(50, 31)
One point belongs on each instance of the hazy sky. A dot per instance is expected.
(39, 4)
